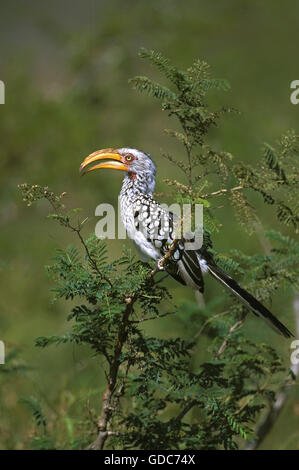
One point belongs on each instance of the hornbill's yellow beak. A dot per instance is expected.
(114, 161)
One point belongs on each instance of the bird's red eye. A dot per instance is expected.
(129, 157)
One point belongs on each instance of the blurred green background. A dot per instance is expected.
(66, 66)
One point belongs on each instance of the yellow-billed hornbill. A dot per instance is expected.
(152, 228)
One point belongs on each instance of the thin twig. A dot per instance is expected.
(90, 258)
(153, 317)
(185, 410)
(223, 346)
(209, 320)
(220, 192)
(77, 230)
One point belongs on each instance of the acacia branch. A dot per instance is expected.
(59, 208)
(232, 329)
(210, 320)
(185, 410)
(77, 230)
(108, 404)
(271, 417)
(141, 320)
(107, 407)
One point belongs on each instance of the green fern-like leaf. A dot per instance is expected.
(33, 405)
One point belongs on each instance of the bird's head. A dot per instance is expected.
(138, 165)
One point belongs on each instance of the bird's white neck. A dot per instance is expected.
(138, 184)
(136, 199)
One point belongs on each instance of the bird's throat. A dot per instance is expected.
(138, 184)
(132, 175)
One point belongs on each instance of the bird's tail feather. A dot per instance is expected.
(257, 308)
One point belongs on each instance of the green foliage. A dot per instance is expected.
(187, 103)
(157, 395)
(12, 363)
(275, 178)
(33, 405)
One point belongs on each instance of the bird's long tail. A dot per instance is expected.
(257, 308)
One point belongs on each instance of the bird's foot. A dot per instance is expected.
(160, 264)
(159, 267)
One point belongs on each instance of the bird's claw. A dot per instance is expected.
(159, 267)
(160, 264)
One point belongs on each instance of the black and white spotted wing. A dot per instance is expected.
(159, 227)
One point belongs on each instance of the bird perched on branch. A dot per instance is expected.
(153, 229)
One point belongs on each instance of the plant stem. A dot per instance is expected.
(107, 407)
